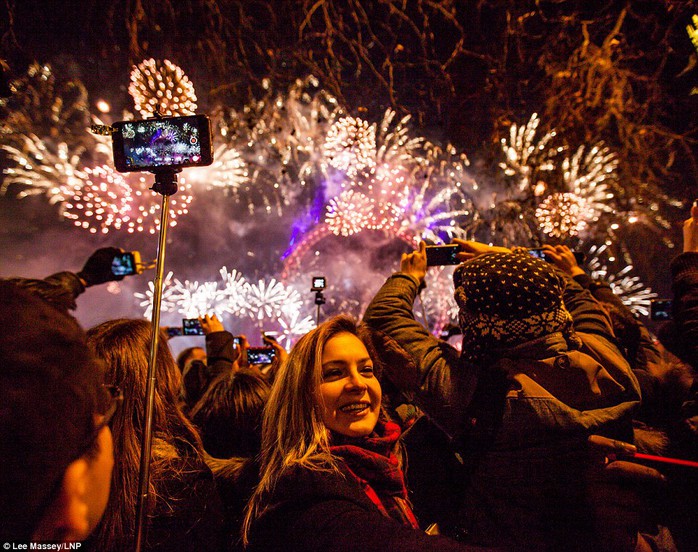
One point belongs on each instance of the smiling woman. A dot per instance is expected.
(331, 475)
(350, 394)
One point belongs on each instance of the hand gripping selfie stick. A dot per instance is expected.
(165, 185)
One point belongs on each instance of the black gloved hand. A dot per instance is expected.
(97, 269)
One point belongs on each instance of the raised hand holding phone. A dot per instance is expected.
(210, 323)
(415, 263)
(109, 264)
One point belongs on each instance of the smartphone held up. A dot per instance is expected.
(260, 355)
(189, 327)
(162, 143)
(127, 264)
(440, 255)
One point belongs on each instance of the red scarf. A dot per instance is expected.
(372, 463)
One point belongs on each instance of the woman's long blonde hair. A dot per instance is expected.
(293, 433)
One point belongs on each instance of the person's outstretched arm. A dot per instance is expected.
(441, 386)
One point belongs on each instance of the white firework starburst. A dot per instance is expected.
(634, 294)
(143, 215)
(394, 144)
(271, 299)
(168, 302)
(350, 145)
(235, 291)
(525, 155)
(43, 167)
(563, 214)
(293, 327)
(161, 86)
(349, 213)
(194, 299)
(100, 203)
(228, 171)
(589, 173)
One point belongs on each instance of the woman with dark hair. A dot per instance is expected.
(229, 415)
(184, 510)
(331, 476)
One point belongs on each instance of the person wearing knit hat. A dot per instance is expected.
(539, 372)
(508, 299)
(56, 452)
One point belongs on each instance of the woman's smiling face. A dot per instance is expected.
(349, 394)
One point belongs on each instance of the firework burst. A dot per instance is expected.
(234, 291)
(294, 326)
(169, 299)
(525, 156)
(589, 175)
(194, 300)
(395, 146)
(229, 171)
(563, 214)
(382, 195)
(271, 299)
(349, 213)
(350, 145)
(442, 206)
(100, 202)
(43, 167)
(374, 203)
(634, 294)
(279, 140)
(262, 301)
(161, 87)
(143, 216)
(45, 104)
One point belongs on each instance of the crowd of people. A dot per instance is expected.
(562, 423)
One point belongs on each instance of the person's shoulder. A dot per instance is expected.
(304, 484)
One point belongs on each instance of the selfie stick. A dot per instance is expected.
(319, 300)
(165, 185)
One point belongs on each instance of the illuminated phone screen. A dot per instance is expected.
(173, 142)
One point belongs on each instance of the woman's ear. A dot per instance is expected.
(66, 519)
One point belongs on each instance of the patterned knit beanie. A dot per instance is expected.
(505, 300)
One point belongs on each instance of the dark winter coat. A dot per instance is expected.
(313, 511)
